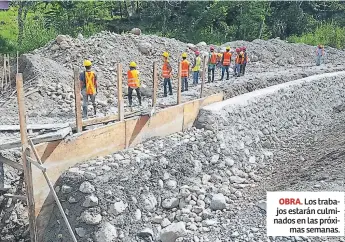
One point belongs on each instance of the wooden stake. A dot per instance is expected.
(3, 74)
(179, 83)
(78, 117)
(9, 71)
(25, 153)
(120, 102)
(155, 85)
(2, 177)
(203, 76)
(17, 62)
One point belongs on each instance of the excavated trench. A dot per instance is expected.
(205, 184)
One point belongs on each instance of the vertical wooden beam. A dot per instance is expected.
(120, 102)
(78, 117)
(2, 176)
(9, 71)
(155, 85)
(203, 76)
(25, 152)
(179, 83)
(3, 74)
(17, 62)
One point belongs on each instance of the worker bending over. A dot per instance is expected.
(196, 68)
(133, 82)
(245, 60)
(212, 61)
(184, 72)
(88, 86)
(166, 73)
(226, 63)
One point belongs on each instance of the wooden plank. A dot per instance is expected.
(203, 76)
(58, 135)
(77, 98)
(60, 155)
(25, 152)
(4, 160)
(3, 74)
(17, 62)
(120, 102)
(13, 196)
(9, 71)
(164, 122)
(34, 126)
(155, 85)
(179, 83)
(2, 177)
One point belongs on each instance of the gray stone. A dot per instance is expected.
(91, 218)
(138, 214)
(66, 189)
(90, 201)
(106, 233)
(136, 31)
(150, 201)
(80, 232)
(146, 233)
(145, 47)
(171, 184)
(218, 202)
(236, 179)
(229, 162)
(214, 159)
(118, 208)
(89, 175)
(165, 222)
(170, 203)
(262, 204)
(172, 232)
(86, 187)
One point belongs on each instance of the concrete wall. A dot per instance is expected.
(255, 124)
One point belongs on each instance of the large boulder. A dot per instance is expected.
(145, 47)
(136, 31)
(172, 232)
(106, 233)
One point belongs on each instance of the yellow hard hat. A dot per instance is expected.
(228, 48)
(166, 54)
(133, 64)
(87, 63)
(184, 55)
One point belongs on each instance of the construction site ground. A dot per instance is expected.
(167, 184)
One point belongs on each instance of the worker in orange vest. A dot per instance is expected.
(185, 66)
(245, 60)
(212, 61)
(133, 82)
(166, 73)
(88, 86)
(238, 62)
(320, 52)
(226, 60)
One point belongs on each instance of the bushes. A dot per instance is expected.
(326, 34)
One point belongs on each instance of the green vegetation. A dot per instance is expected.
(29, 25)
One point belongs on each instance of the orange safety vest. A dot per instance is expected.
(90, 82)
(166, 70)
(184, 68)
(133, 78)
(227, 58)
(239, 59)
(213, 59)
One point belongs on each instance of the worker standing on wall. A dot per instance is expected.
(88, 86)
(196, 68)
(184, 72)
(320, 52)
(212, 61)
(166, 73)
(226, 60)
(133, 82)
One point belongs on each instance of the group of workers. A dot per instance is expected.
(88, 78)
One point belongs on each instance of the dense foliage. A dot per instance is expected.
(215, 22)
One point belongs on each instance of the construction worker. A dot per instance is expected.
(226, 60)
(212, 61)
(241, 57)
(219, 62)
(319, 54)
(196, 68)
(133, 82)
(166, 73)
(88, 86)
(238, 62)
(184, 72)
(245, 60)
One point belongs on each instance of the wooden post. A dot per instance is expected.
(3, 74)
(17, 62)
(9, 71)
(179, 83)
(120, 102)
(78, 117)
(155, 85)
(203, 76)
(25, 152)
(2, 177)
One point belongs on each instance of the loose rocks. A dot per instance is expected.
(172, 232)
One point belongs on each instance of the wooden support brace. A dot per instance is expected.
(25, 153)
(203, 76)
(17, 62)
(2, 177)
(9, 71)
(120, 102)
(9, 162)
(155, 85)
(78, 117)
(179, 83)
(42, 168)
(13, 196)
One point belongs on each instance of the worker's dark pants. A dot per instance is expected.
(243, 68)
(130, 94)
(211, 72)
(86, 102)
(167, 82)
(184, 84)
(225, 68)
